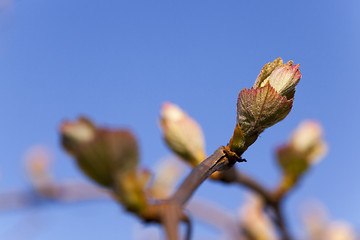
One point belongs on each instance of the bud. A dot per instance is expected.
(305, 148)
(109, 157)
(268, 102)
(307, 139)
(182, 134)
(101, 153)
(282, 77)
(167, 175)
(318, 226)
(339, 230)
(38, 161)
(315, 219)
(255, 223)
(77, 133)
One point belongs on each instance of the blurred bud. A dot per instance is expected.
(101, 153)
(167, 175)
(182, 134)
(109, 157)
(339, 230)
(38, 162)
(305, 147)
(268, 102)
(255, 224)
(307, 139)
(319, 227)
(129, 189)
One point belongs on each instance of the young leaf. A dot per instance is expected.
(260, 108)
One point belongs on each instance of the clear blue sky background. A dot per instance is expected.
(117, 61)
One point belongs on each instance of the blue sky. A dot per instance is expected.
(117, 61)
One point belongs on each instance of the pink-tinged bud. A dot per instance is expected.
(282, 77)
(267, 70)
(182, 134)
(268, 102)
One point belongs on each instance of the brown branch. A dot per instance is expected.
(216, 162)
(169, 217)
(234, 176)
(220, 160)
(169, 214)
(174, 214)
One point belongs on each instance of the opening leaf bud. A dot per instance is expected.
(268, 102)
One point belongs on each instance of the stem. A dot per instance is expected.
(280, 222)
(170, 213)
(171, 216)
(234, 176)
(217, 161)
(170, 221)
(188, 229)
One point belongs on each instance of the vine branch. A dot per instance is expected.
(216, 162)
